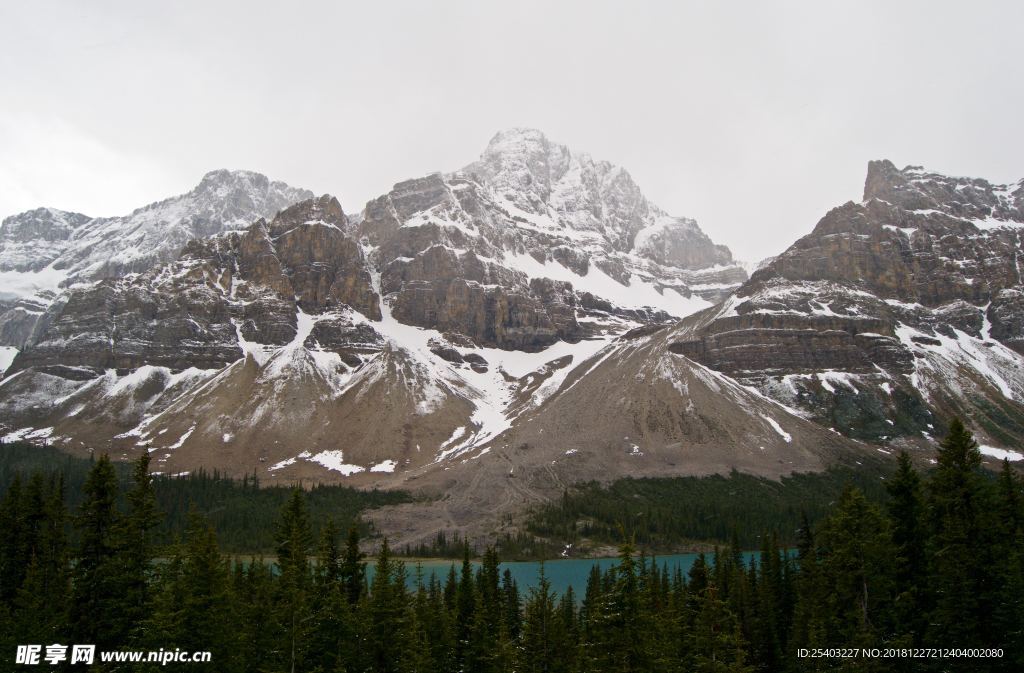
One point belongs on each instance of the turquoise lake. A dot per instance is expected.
(562, 573)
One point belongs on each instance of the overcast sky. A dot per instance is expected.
(753, 117)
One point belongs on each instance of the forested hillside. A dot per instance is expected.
(941, 565)
(241, 511)
(661, 514)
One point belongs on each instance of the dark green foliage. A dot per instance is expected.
(959, 536)
(545, 639)
(97, 581)
(906, 513)
(942, 559)
(242, 512)
(662, 513)
(135, 539)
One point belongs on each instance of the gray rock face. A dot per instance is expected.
(107, 247)
(892, 314)
(305, 254)
(479, 252)
(45, 250)
(915, 189)
(680, 242)
(32, 240)
(224, 292)
(397, 340)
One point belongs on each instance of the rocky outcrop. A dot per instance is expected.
(915, 189)
(33, 240)
(223, 293)
(892, 314)
(476, 252)
(400, 341)
(305, 254)
(45, 250)
(678, 241)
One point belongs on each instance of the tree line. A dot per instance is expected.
(242, 511)
(941, 564)
(663, 513)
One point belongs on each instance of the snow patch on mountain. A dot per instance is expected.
(1000, 454)
(7, 355)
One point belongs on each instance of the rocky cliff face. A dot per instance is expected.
(894, 313)
(44, 251)
(514, 249)
(224, 291)
(400, 341)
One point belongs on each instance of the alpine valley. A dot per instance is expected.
(485, 337)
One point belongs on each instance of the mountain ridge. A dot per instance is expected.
(493, 334)
(892, 314)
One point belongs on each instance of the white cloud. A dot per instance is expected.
(755, 118)
(46, 161)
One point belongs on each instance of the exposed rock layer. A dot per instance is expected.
(893, 314)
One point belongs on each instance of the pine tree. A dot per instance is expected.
(906, 514)
(485, 635)
(570, 625)
(465, 609)
(41, 604)
(958, 575)
(809, 610)
(857, 570)
(387, 609)
(1008, 612)
(261, 633)
(12, 522)
(716, 645)
(353, 568)
(438, 626)
(511, 605)
(544, 641)
(294, 539)
(206, 600)
(95, 604)
(329, 566)
(165, 624)
(417, 656)
(623, 630)
(331, 629)
(134, 538)
(765, 627)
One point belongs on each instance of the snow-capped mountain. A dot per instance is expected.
(892, 315)
(513, 326)
(399, 341)
(518, 247)
(45, 250)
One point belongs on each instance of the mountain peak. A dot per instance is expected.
(915, 188)
(325, 209)
(232, 179)
(517, 140)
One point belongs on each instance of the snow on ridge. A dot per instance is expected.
(31, 284)
(259, 352)
(660, 225)
(384, 466)
(1001, 454)
(288, 461)
(990, 360)
(181, 440)
(778, 428)
(490, 393)
(27, 434)
(639, 294)
(335, 460)
(7, 355)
